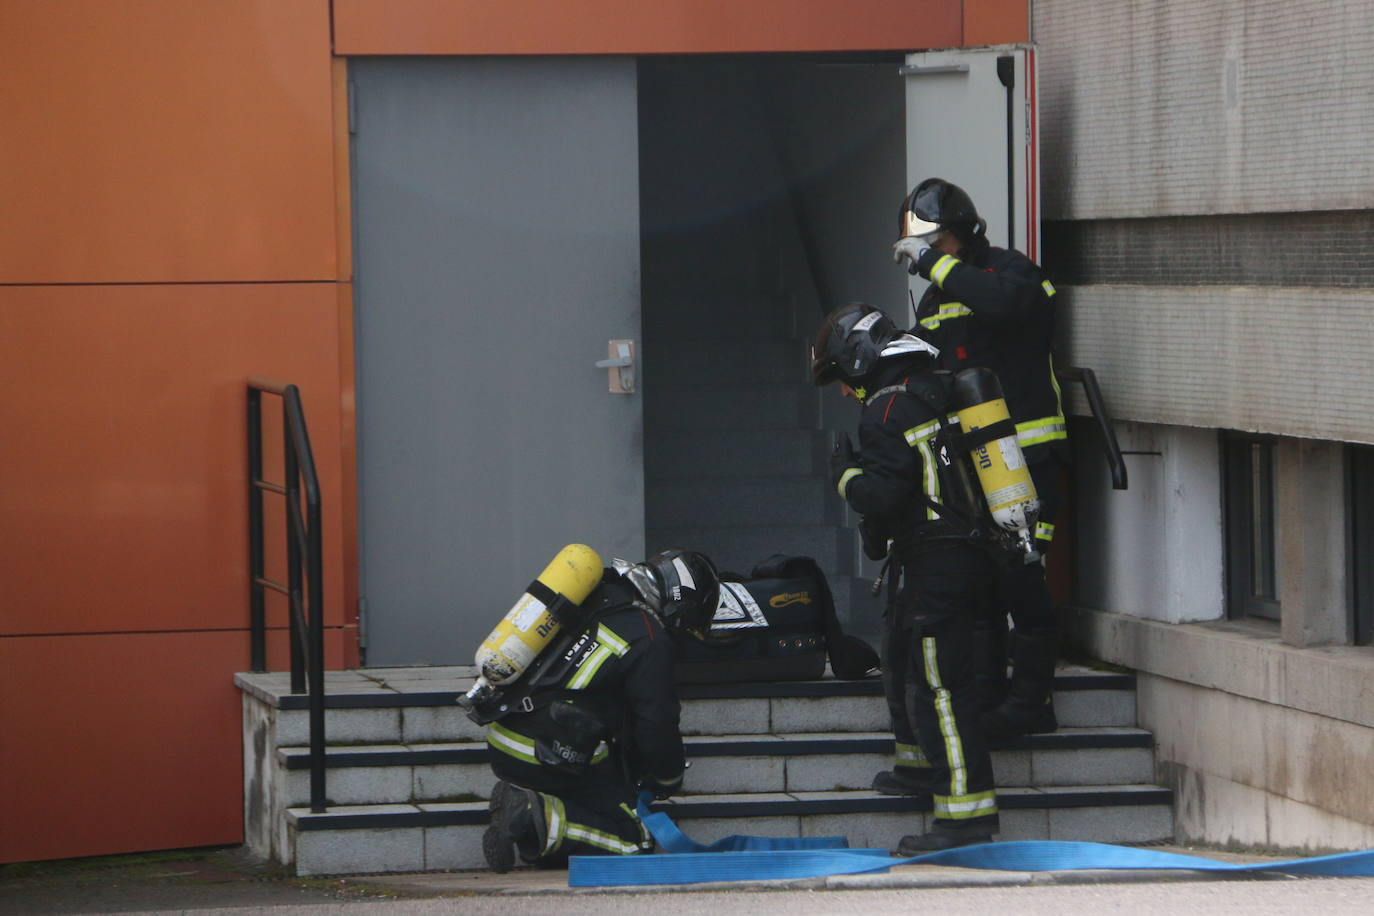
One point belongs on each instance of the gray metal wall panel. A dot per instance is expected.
(1151, 108)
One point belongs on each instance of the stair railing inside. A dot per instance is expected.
(304, 587)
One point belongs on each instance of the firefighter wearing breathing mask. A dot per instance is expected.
(905, 484)
(600, 723)
(991, 307)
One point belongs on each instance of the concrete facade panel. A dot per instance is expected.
(1273, 360)
(1263, 743)
(1157, 547)
(1312, 760)
(1239, 106)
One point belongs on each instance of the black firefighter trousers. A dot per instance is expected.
(929, 679)
(579, 814)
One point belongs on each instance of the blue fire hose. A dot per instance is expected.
(749, 858)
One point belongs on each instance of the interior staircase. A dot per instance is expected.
(407, 778)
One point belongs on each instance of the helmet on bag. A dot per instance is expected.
(689, 587)
(848, 344)
(937, 206)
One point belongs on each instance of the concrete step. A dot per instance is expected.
(1083, 698)
(407, 706)
(383, 838)
(458, 771)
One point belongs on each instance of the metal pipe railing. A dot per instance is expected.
(304, 588)
(1088, 379)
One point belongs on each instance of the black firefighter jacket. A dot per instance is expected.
(997, 311)
(618, 675)
(900, 464)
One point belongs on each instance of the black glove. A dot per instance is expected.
(842, 457)
(874, 538)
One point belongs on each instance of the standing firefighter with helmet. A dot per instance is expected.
(909, 490)
(593, 719)
(991, 307)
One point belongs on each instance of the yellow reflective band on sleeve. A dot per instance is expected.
(1044, 531)
(1048, 287)
(921, 433)
(944, 711)
(601, 753)
(608, 644)
(910, 756)
(845, 478)
(502, 739)
(920, 438)
(587, 670)
(1045, 429)
(1058, 395)
(947, 311)
(941, 270)
(956, 807)
(606, 636)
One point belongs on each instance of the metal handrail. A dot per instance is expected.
(305, 581)
(1110, 448)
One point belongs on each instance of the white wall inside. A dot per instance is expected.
(1155, 550)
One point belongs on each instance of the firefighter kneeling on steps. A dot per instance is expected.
(601, 722)
(902, 481)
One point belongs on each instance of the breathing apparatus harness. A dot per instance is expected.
(967, 514)
(537, 686)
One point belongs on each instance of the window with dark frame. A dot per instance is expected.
(1252, 572)
(1361, 562)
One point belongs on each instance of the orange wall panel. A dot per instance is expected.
(165, 140)
(120, 743)
(657, 27)
(124, 450)
(996, 22)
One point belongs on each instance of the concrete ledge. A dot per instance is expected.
(1265, 744)
(1247, 660)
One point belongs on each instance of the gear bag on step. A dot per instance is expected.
(776, 624)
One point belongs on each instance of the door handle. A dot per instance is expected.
(620, 366)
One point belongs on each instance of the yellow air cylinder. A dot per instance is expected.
(1001, 466)
(529, 625)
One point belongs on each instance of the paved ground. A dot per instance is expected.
(220, 879)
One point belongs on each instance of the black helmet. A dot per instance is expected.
(848, 344)
(690, 588)
(938, 206)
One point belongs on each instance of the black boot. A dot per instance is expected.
(946, 835)
(1029, 706)
(513, 824)
(901, 781)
